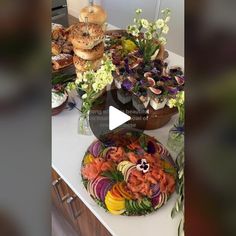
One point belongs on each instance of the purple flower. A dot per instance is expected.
(127, 69)
(127, 85)
(165, 78)
(172, 90)
(151, 147)
(155, 70)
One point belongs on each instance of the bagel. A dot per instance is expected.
(80, 39)
(90, 54)
(95, 14)
(85, 65)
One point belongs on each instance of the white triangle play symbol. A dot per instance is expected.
(117, 118)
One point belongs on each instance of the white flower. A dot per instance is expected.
(84, 96)
(94, 85)
(144, 23)
(70, 86)
(133, 29)
(171, 103)
(160, 23)
(165, 29)
(135, 33)
(148, 35)
(162, 40)
(180, 97)
(84, 86)
(139, 11)
(166, 11)
(78, 80)
(167, 19)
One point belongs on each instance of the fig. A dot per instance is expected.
(155, 90)
(179, 80)
(151, 81)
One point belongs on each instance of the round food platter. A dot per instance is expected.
(130, 178)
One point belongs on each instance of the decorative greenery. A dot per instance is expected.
(138, 207)
(152, 31)
(100, 203)
(114, 175)
(62, 79)
(179, 204)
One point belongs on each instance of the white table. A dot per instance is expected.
(68, 148)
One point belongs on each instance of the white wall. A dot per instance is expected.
(121, 13)
(175, 37)
(74, 6)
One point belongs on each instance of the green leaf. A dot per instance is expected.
(62, 78)
(114, 175)
(173, 212)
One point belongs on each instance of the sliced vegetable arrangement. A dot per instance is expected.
(134, 179)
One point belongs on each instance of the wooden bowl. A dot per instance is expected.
(59, 109)
(159, 118)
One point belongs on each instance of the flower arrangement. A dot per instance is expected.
(138, 71)
(145, 33)
(133, 179)
(176, 133)
(92, 83)
(178, 102)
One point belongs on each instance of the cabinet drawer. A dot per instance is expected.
(75, 211)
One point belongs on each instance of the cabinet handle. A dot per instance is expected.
(57, 187)
(75, 213)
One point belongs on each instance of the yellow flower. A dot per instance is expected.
(129, 45)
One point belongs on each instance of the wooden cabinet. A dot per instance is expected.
(74, 210)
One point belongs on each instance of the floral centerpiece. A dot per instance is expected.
(149, 35)
(140, 70)
(92, 84)
(176, 134)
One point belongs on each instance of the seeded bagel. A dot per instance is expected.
(85, 65)
(80, 39)
(95, 14)
(90, 54)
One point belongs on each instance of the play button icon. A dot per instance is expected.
(112, 114)
(117, 118)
